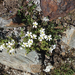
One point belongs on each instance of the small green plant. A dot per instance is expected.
(39, 35)
(27, 19)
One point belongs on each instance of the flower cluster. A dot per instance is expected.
(29, 34)
(28, 44)
(29, 38)
(10, 45)
(32, 36)
(43, 35)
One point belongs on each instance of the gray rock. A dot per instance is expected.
(11, 71)
(4, 22)
(29, 63)
(69, 38)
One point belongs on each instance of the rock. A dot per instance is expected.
(4, 22)
(67, 17)
(73, 53)
(7, 24)
(29, 63)
(65, 24)
(48, 68)
(69, 38)
(57, 50)
(5, 70)
(63, 53)
(64, 48)
(58, 21)
(74, 23)
(59, 18)
(56, 8)
(73, 65)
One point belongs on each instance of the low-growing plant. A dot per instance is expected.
(38, 34)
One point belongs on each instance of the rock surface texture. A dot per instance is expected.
(69, 38)
(4, 22)
(55, 8)
(29, 63)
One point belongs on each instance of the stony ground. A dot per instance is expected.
(58, 58)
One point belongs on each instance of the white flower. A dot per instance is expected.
(40, 38)
(9, 44)
(42, 29)
(15, 28)
(42, 32)
(45, 19)
(2, 47)
(28, 34)
(35, 24)
(12, 41)
(50, 49)
(11, 50)
(25, 44)
(49, 38)
(53, 46)
(34, 36)
(30, 42)
(45, 36)
(48, 68)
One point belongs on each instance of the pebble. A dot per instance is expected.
(67, 17)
